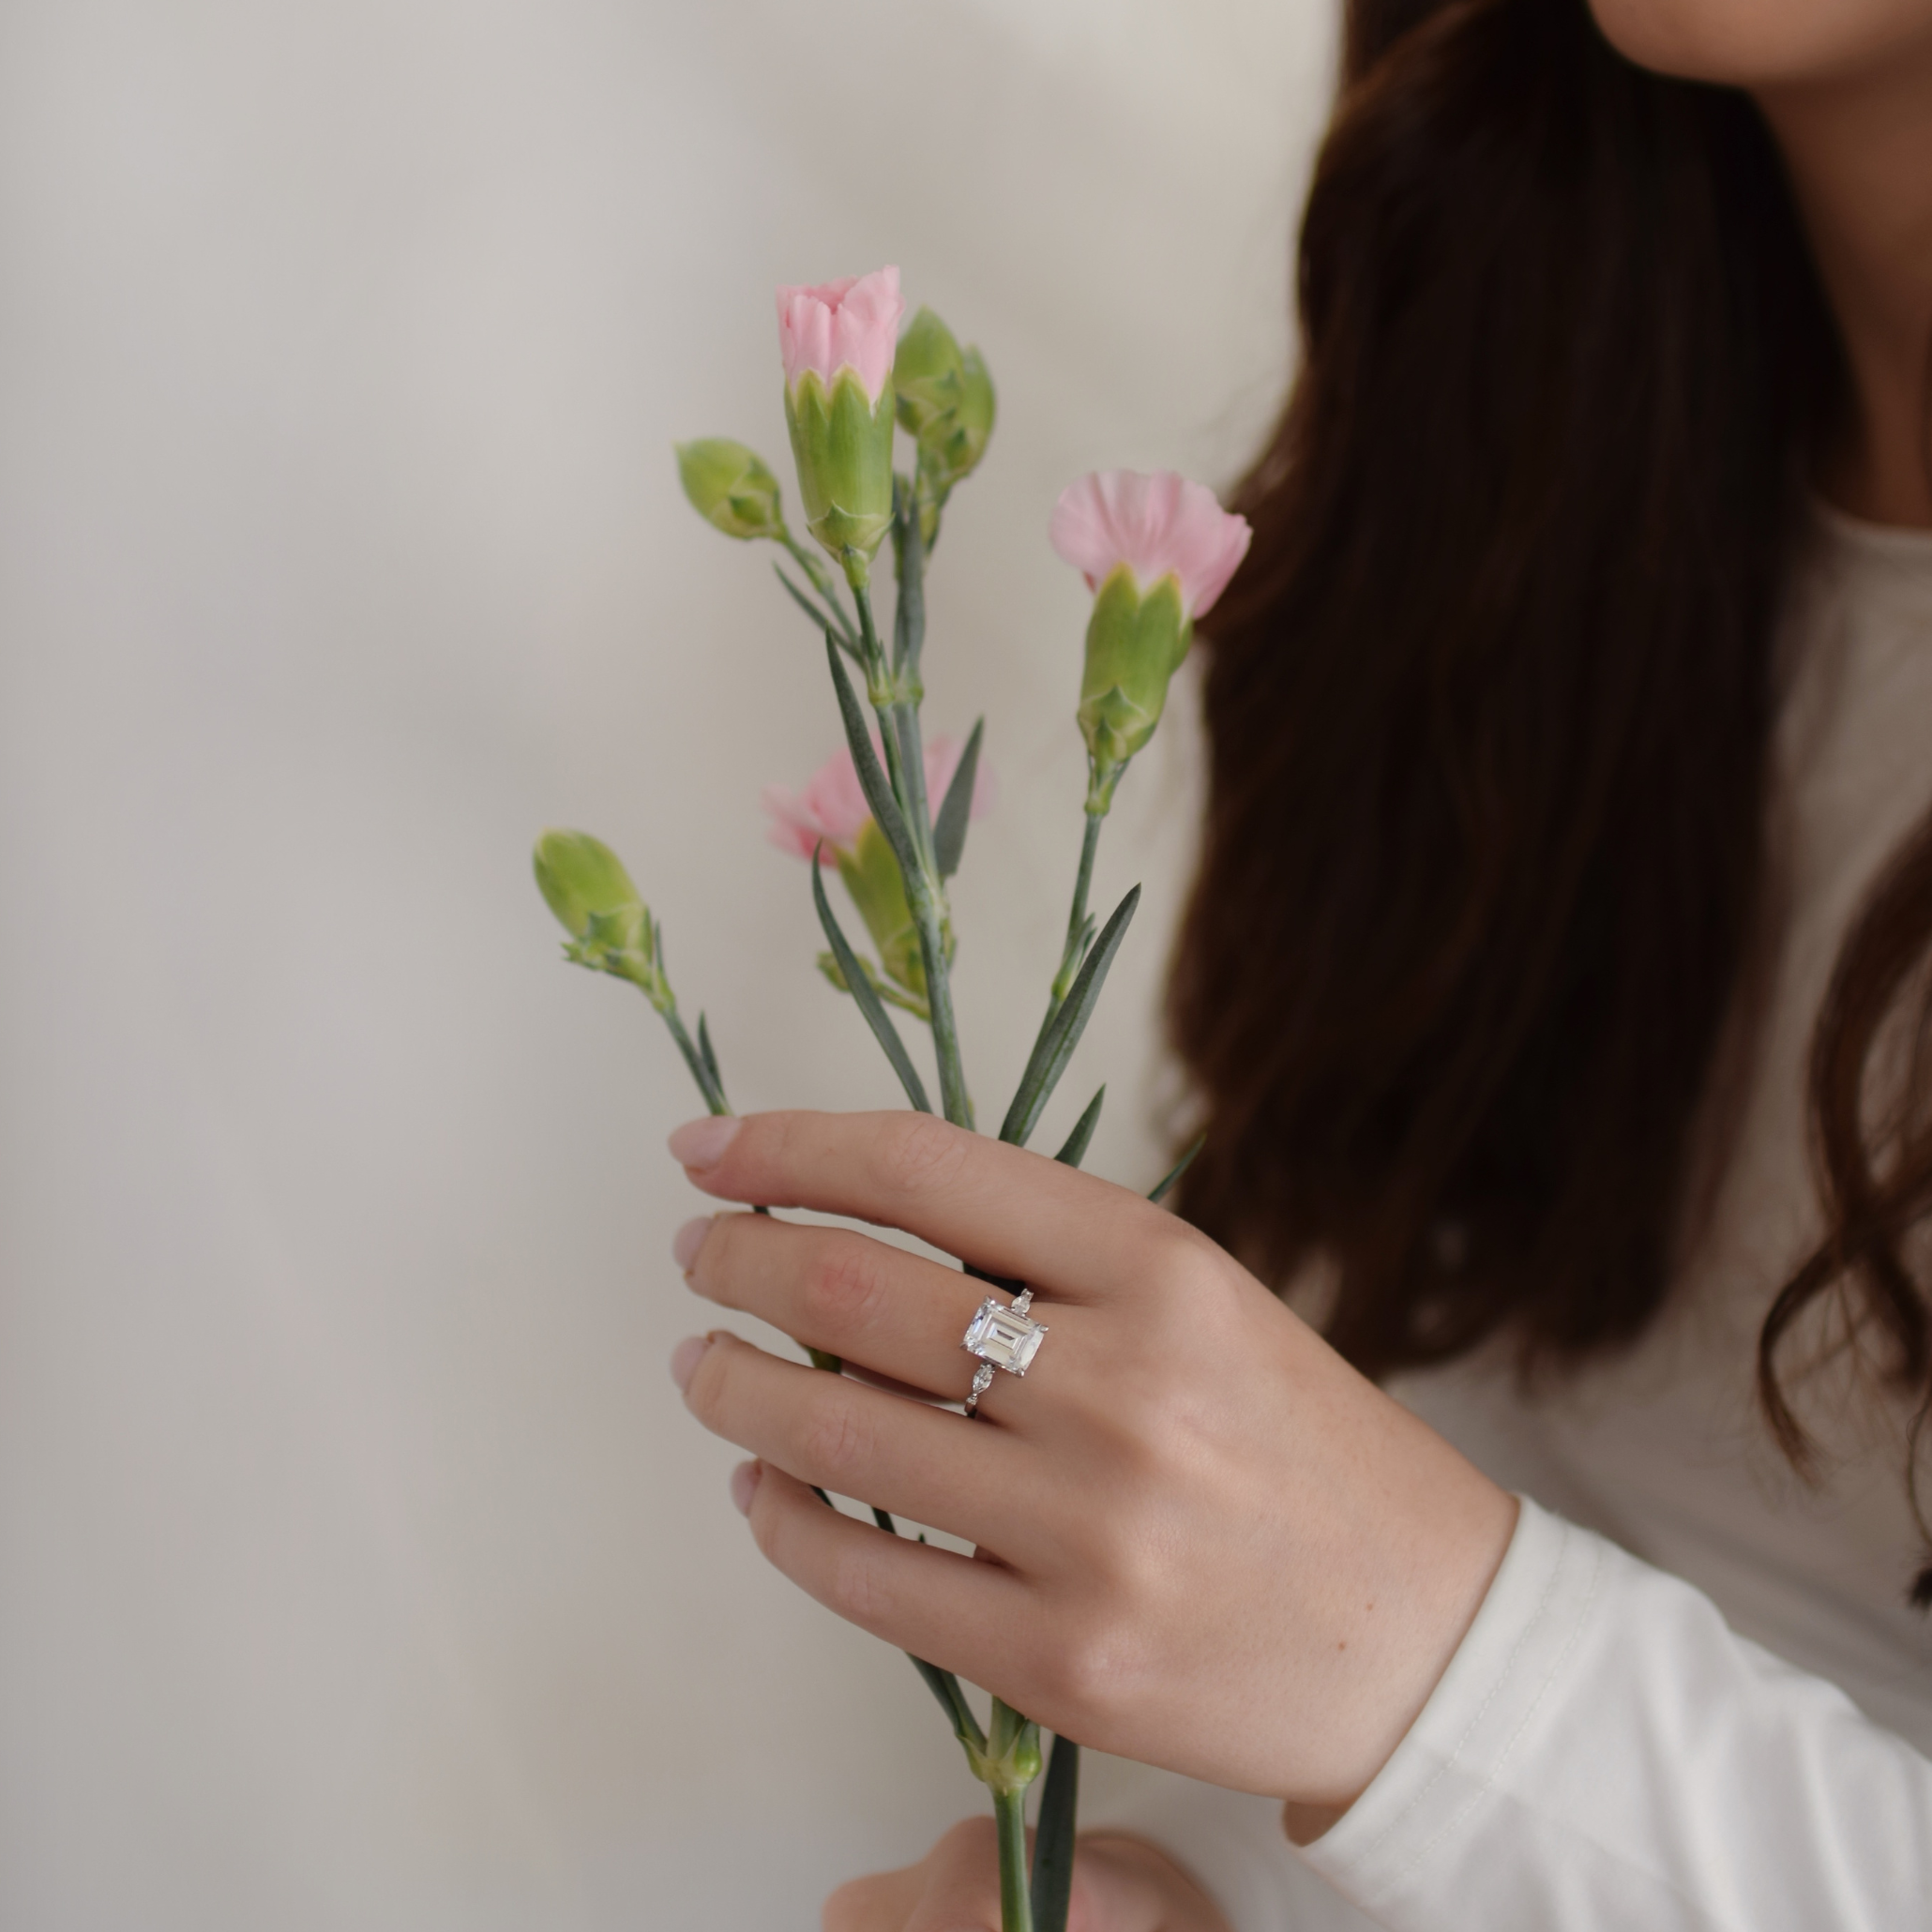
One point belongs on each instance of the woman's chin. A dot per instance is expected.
(1759, 44)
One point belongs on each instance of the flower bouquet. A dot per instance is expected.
(890, 813)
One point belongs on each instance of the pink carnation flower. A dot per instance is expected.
(830, 807)
(853, 323)
(1157, 526)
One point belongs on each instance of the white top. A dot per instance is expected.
(1695, 1696)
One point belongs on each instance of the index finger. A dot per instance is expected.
(1012, 1212)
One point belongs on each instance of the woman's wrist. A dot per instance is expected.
(1420, 1581)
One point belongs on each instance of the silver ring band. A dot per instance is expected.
(1003, 1336)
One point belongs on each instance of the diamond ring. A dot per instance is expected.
(1002, 1337)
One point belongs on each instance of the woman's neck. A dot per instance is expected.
(1859, 148)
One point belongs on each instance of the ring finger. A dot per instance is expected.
(874, 1306)
(905, 1457)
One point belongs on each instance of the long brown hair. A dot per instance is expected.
(1489, 708)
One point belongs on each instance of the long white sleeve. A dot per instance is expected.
(1604, 1754)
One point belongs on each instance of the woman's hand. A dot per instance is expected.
(1202, 1540)
(1118, 1885)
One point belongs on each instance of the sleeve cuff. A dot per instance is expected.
(1445, 1769)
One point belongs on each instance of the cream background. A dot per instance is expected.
(361, 1568)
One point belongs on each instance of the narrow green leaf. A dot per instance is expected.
(949, 830)
(952, 1700)
(1053, 1837)
(1160, 1189)
(872, 778)
(1074, 1150)
(1055, 1046)
(867, 1000)
(713, 1097)
(821, 620)
(708, 1053)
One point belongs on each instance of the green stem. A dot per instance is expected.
(1077, 919)
(820, 581)
(1015, 1893)
(1075, 949)
(879, 691)
(954, 1102)
(905, 770)
(714, 1095)
(713, 1092)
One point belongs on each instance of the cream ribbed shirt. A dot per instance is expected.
(1695, 1696)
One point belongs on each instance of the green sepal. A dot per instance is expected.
(871, 876)
(842, 444)
(1136, 641)
(1009, 1760)
(893, 995)
(731, 488)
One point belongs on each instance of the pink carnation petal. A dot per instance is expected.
(793, 827)
(851, 324)
(1157, 525)
(829, 807)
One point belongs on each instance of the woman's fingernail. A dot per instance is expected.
(744, 1485)
(689, 1239)
(686, 1358)
(702, 1143)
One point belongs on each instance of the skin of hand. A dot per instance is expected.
(1202, 1539)
(1118, 1885)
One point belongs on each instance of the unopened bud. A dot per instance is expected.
(872, 877)
(1134, 645)
(731, 487)
(584, 883)
(838, 345)
(946, 403)
(841, 440)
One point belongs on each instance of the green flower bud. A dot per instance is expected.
(584, 883)
(1134, 645)
(946, 403)
(842, 442)
(871, 876)
(1008, 1763)
(731, 487)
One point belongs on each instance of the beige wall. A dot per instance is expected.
(361, 1568)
